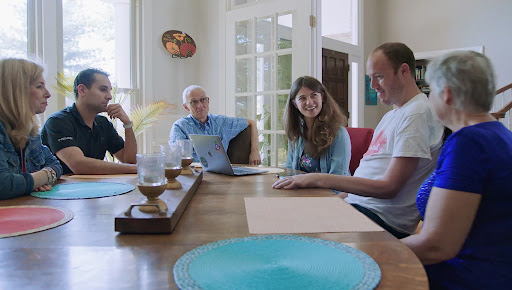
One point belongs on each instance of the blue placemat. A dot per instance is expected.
(276, 262)
(84, 190)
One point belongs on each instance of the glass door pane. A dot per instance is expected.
(235, 3)
(281, 103)
(13, 29)
(244, 107)
(89, 36)
(284, 72)
(282, 145)
(264, 34)
(264, 112)
(265, 149)
(244, 37)
(96, 34)
(262, 42)
(264, 71)
(243, 75)
(269, 103)
(339, 20)
(284, 31)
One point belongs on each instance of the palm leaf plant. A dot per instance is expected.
(144, 117)
(65, 85)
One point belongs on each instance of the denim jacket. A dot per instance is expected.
(335, 160)
(37, 156)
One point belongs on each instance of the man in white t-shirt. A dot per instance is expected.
(403, 151)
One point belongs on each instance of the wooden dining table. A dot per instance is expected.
(87, 252)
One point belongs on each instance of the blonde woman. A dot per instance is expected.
(25, 164)
(314, 124)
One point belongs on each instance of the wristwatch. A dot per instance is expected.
(126, 126)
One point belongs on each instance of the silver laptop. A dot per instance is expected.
(214, 158)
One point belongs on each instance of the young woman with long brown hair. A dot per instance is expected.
(314, 124)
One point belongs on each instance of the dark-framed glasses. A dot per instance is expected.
(196, 102)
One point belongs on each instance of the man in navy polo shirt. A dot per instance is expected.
(80, 137)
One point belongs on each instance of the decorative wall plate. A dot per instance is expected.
(178, 43)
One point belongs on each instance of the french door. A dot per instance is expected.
(269, 45)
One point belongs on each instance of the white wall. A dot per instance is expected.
(165, 77)
(372, 26)
(449, 24)
(439, 25)
(213, 53)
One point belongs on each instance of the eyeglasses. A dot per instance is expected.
(312, 96)
(201, 100)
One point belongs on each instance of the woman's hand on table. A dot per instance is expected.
(45, 187)
(296, 181)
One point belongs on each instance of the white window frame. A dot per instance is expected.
(45, 43)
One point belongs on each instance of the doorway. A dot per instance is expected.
(335, 70)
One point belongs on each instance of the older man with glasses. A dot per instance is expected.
(201, 122)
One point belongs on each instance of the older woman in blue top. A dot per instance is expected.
(466, 202)
(314, 124)
(25, 164)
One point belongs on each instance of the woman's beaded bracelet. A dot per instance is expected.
(51, 175)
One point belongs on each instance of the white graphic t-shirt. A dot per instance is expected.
(409, 131)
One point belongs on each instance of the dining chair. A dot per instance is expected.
(240, 147)
(360, 139)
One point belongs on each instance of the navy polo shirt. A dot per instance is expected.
(66, 128)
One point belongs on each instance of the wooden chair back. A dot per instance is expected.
(240, 147)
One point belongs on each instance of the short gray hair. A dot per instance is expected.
(469, 75)
(187, 91)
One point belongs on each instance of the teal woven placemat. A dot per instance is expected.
(84, 190)
(276, 262)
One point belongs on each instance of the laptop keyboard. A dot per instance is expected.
(242, 170)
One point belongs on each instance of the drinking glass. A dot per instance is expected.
(152, 181)
(186, 155)
(172, 164)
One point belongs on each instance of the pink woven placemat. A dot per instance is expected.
(27, 219)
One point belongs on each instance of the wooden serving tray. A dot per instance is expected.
(154, 223)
